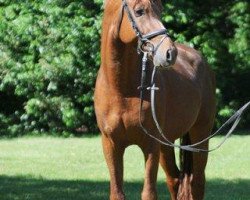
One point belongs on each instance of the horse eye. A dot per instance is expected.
(139, 12)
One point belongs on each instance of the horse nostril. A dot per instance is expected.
(169, 55)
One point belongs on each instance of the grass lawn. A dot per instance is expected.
(46, 168)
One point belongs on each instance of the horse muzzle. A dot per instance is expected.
(165, 56)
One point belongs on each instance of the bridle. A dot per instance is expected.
(142, 39)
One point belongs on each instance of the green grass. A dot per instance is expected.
(55, 168)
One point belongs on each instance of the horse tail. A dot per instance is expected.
(186, 166)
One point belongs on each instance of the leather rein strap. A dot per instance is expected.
(234, 120)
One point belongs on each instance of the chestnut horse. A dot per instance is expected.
(185, 103)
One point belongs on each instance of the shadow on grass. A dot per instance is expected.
(24, 188)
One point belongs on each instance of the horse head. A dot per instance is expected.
(142, 21)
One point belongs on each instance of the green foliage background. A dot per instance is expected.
(49, 56)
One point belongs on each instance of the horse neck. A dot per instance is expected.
(120, 61)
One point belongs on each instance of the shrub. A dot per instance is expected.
(49, 55)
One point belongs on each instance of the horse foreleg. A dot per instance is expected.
(113, 153)
(168, 163)
(151, 154)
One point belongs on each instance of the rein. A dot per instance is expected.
(235, 119)
(142, 39)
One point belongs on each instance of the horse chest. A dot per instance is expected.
(121, 118)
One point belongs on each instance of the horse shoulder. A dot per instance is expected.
(107, 107)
